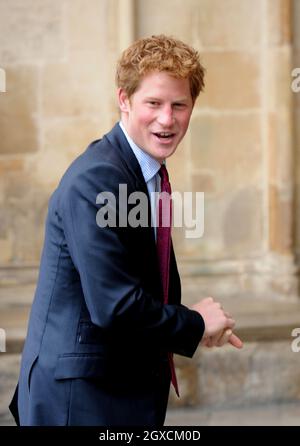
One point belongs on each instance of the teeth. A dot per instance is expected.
(164, 134)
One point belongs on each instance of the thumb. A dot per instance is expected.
(235, 341)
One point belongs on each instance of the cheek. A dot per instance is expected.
(185, 121)
(145, 117)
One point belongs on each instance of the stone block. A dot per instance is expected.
(22, 223)
(23, 139)
(204, 182)
(31, 31)
(296, 59)
(280, 221)
(242, 223)
(228, 377)
(154, 18)
(91, 21)
(64, 140)
(279, 79)
(232, 80)
(6, 246)
(280, 151)
(297, 142)
(11, 165)
(295, 23)
(279, 17)
(204, 23)
(232, 224)
(227, 146)
(18, 109)
(71, 136)
(73, 89)
(210, 245)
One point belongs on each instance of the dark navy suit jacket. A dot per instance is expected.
(98, 334)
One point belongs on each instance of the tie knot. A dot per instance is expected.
(165, 185)
(163, 173)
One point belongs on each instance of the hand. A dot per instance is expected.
(218, 324)
(221, 339)
(215, 318)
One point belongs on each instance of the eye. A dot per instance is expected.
(153, 103)
(179, 105)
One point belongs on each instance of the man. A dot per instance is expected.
(107, 317)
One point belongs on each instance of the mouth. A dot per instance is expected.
(164, 137)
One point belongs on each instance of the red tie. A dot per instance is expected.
(163, 245)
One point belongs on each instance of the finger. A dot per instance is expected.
(204, 341)
(230, 323)
(208, 342)
(235, 341)
(214, 340)
(224, 338)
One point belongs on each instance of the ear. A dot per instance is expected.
(123, 100)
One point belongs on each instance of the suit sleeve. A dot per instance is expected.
(112, 289)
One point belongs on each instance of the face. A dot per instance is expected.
(157, 115)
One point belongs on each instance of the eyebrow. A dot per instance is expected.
(182, 99)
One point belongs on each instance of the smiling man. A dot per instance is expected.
(107, 314)
(157, 115)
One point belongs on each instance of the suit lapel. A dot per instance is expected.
(117, 138)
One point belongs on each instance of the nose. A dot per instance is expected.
(165, 117)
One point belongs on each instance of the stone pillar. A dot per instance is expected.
(279, 142)
(296, 102)
(126, 23)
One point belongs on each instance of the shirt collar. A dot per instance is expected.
(148, 164)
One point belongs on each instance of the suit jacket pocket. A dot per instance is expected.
(80, 365)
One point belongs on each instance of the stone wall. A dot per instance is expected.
(59, 57)
(226, 378)
(56, 55)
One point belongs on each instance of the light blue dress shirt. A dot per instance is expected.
(150, 167)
